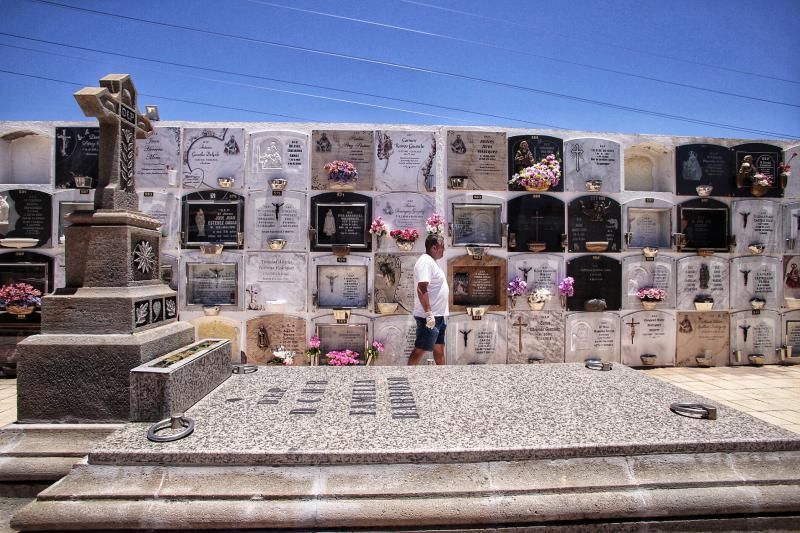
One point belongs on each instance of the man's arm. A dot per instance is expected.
(424, 300)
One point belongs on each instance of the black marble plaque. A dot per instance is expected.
(339, 219)
(704, 224)
(596, 277)
(213, 217)
(27, 267)
(30, 216)
(535, 220)
(704, 164)
(77, 155)
(593, 220)
(764, 159)
(525, 150)
(477, 224)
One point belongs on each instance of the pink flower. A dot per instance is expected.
(314, 342)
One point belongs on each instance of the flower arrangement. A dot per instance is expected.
(374, 351)
(785, 168)
(435, 224)
(516, 287)
(20, 294)
(651, 294)
(282, 356)
(541, 295)
(378, 227)
(763, 180)
(541, 176)
(342, 358)
(404, 235)
(341, 171)
(313, 352)
(566, 287)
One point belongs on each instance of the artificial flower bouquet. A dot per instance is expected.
(404, 235)
(435, 224)
(651, 294)
(374, 351)
(342, 358)
(282, 357)
(540, 176)
(20, 295)
(313, 351)
(378, 227)
(341, 172)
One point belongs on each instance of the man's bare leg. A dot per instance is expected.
(438, 353)
(416, 356)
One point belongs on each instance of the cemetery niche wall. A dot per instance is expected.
(630, 212)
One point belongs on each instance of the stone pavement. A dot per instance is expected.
(8, 401)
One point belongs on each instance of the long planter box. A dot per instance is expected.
(176, 381)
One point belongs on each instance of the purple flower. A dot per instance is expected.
(566, 287)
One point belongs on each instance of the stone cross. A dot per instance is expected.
(633, 325)
(114, 106)
(577, 151)
(519, 323)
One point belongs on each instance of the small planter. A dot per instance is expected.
(756, 249)
(405, 246)
(596, 246)
(595, 304)
(757, 359)
(704, 306)
(536, 306)
(226, 183)
(757, 303)
(704, 190)
(704, 361)
(540, 188)
(82, 182)
(649, 305)
(537, 247)
(20, 310)
(791, 303)
(277, 244)
(211, 249)
(387, 308)
(593, 185)
(648, 359)
(277, 184)
(650, 251)
(759, 190)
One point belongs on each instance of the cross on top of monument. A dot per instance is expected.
(114, 106)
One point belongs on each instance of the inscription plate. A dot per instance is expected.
(704, 223)
(394, 280)
(756, 277)
(476, 342)
(648, 227)
(539, 272)
(791, 278)
(477, 283)
(755, 334)
(592, 335)
(535, 221)
(267, 333)
(77, 155)
(277, 154)
(398, 334)
(342, 337)
(277, 217)
(356, 147)
(158, 160)
(211, 284)
(477, 224)
(592, 159)
(212, 153)
(791, 227)
(403, 210)
(273, 284)
(704, 276)
(30, 215)
(342, 218)
(648, 333)
(594, 220)
(405, 160)
(342, 286)
(476, 160)
(705, 335)
(639, 273)
(212, 217)
(532, 334)
(703, 164)
(757, 222)
(596, 277)
(525, 150)
(763, 159)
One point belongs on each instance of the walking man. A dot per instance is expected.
(430, 302)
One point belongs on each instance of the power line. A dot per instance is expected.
(220, 71)
(428, 71)
(758, 75)
(523, 52)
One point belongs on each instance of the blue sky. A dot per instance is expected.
(474, 62)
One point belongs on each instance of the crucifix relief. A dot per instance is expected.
(577, 151)
(114, 106)
(633, 325)
(520, 324)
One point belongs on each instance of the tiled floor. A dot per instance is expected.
(8, 401)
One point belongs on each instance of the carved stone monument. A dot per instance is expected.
(111, 317)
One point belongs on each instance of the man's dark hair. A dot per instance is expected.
(432, 240)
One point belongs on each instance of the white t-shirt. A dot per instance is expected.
(427, 270)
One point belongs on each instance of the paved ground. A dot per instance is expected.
(8, 401)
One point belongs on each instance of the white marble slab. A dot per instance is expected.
(592, 335)
(535, 333)
(476, 342)
(703, 276)
(158, 159)
(405, 160)
(592, 159)
(276, 217)
(210, 154)
(648, 333)
(277, 154)
(271, 282)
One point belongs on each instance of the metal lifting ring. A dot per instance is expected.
(244, 369)
(597, 364)
(173, 422)
(694, 410)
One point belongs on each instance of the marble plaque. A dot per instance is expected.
(164, 207)
(30, 215)
(703, 335)
(791, 331)
(211, 154)
(535, 221)
(757, 222)
(220, 327)
(596, 277)
(403, 210)
(398, 334)
(477, 224)
(649, 167)
(77, 155)
(593, 222)
(209, 284)
(264, 334)
(339, 219)
(755, 334)
(525, 150)
(704, 225)
(357, 147)
(532, 334)
(639, 273)
(476, 283)
(342, 286)
(476, 342)
(756, 277)
(538, 271)
(476, 160)
(762, 158)
(342, 337)
(591, 335)
(703, 276)
(648, 224)
(69, 201)
(703, 164)
(277, 155)
(791, 227)
(273, 282)
(405, 160)
(212, 217)
(791, 155)
(27, 267)
(394, 280)
(592, 159)
(648, 333)
(271, 217)
(158, 159)
(791, 278)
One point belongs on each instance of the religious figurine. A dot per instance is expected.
(200, 222)
(262, 337)
(793, 277)
(4, 208)
(523, 157)
(384, 149)
(231, 146)
(323, 144)
(329, 226)
(691, 168)
(458, 146)
(685, 325)
(704, 276)
(746, 172)
(271, 158)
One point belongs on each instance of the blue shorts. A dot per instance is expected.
(427, 337)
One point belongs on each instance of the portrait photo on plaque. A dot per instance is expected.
(77, 157)
(342, 286)
(341, 220)
(477, 224)
(213, 217)
(212, 284)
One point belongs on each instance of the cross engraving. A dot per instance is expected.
(63, 138)
(114, 106)
(577, 151)
(519, 323)
(633, 325)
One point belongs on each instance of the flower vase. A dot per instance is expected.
(784, 179)
(649, 305)
(378, 241)
(563, 298)
(405, 246)
(370, 360)
(759, 190)
(536, 306)
(540, 188)
(341, 186)
(21, 311)
(513, 300)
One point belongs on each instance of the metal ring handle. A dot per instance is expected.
(597, 364)
(174, 422)
(244, 369)
(694, 410)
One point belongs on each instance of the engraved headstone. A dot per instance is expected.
(277, 155)
(594, 224)
(158, 159)
(597, 277)
(755, 335)
(703, 164)
(162, 206)
(535, 223)
(704, 225)
(476, 160)
(638, 273)
(272, 282)
(471, 342)
(398, 334)
(532, 334)
(394, 280)
(649, 167)
(757, 158)
(403, 210)
(538, 271)
(590, 159)
(341, 219)
(756, 277)
(30, 216)
(267, 333)
(704, 336)
(477, 282)
(525, 150)
(212, 217)
(701, 277)
(791, 277)
(757, 223)
(351, 336)
(341, 282)
(790, 331)
(405, 160)
(77, 155)
(69, 201)
(211, 156)
(357, 147)
(477, 223)
(646, 334)
(591, 336)
(648, 222)
(220, 327)
(276, 222)
(791, 227)
(211, 282)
